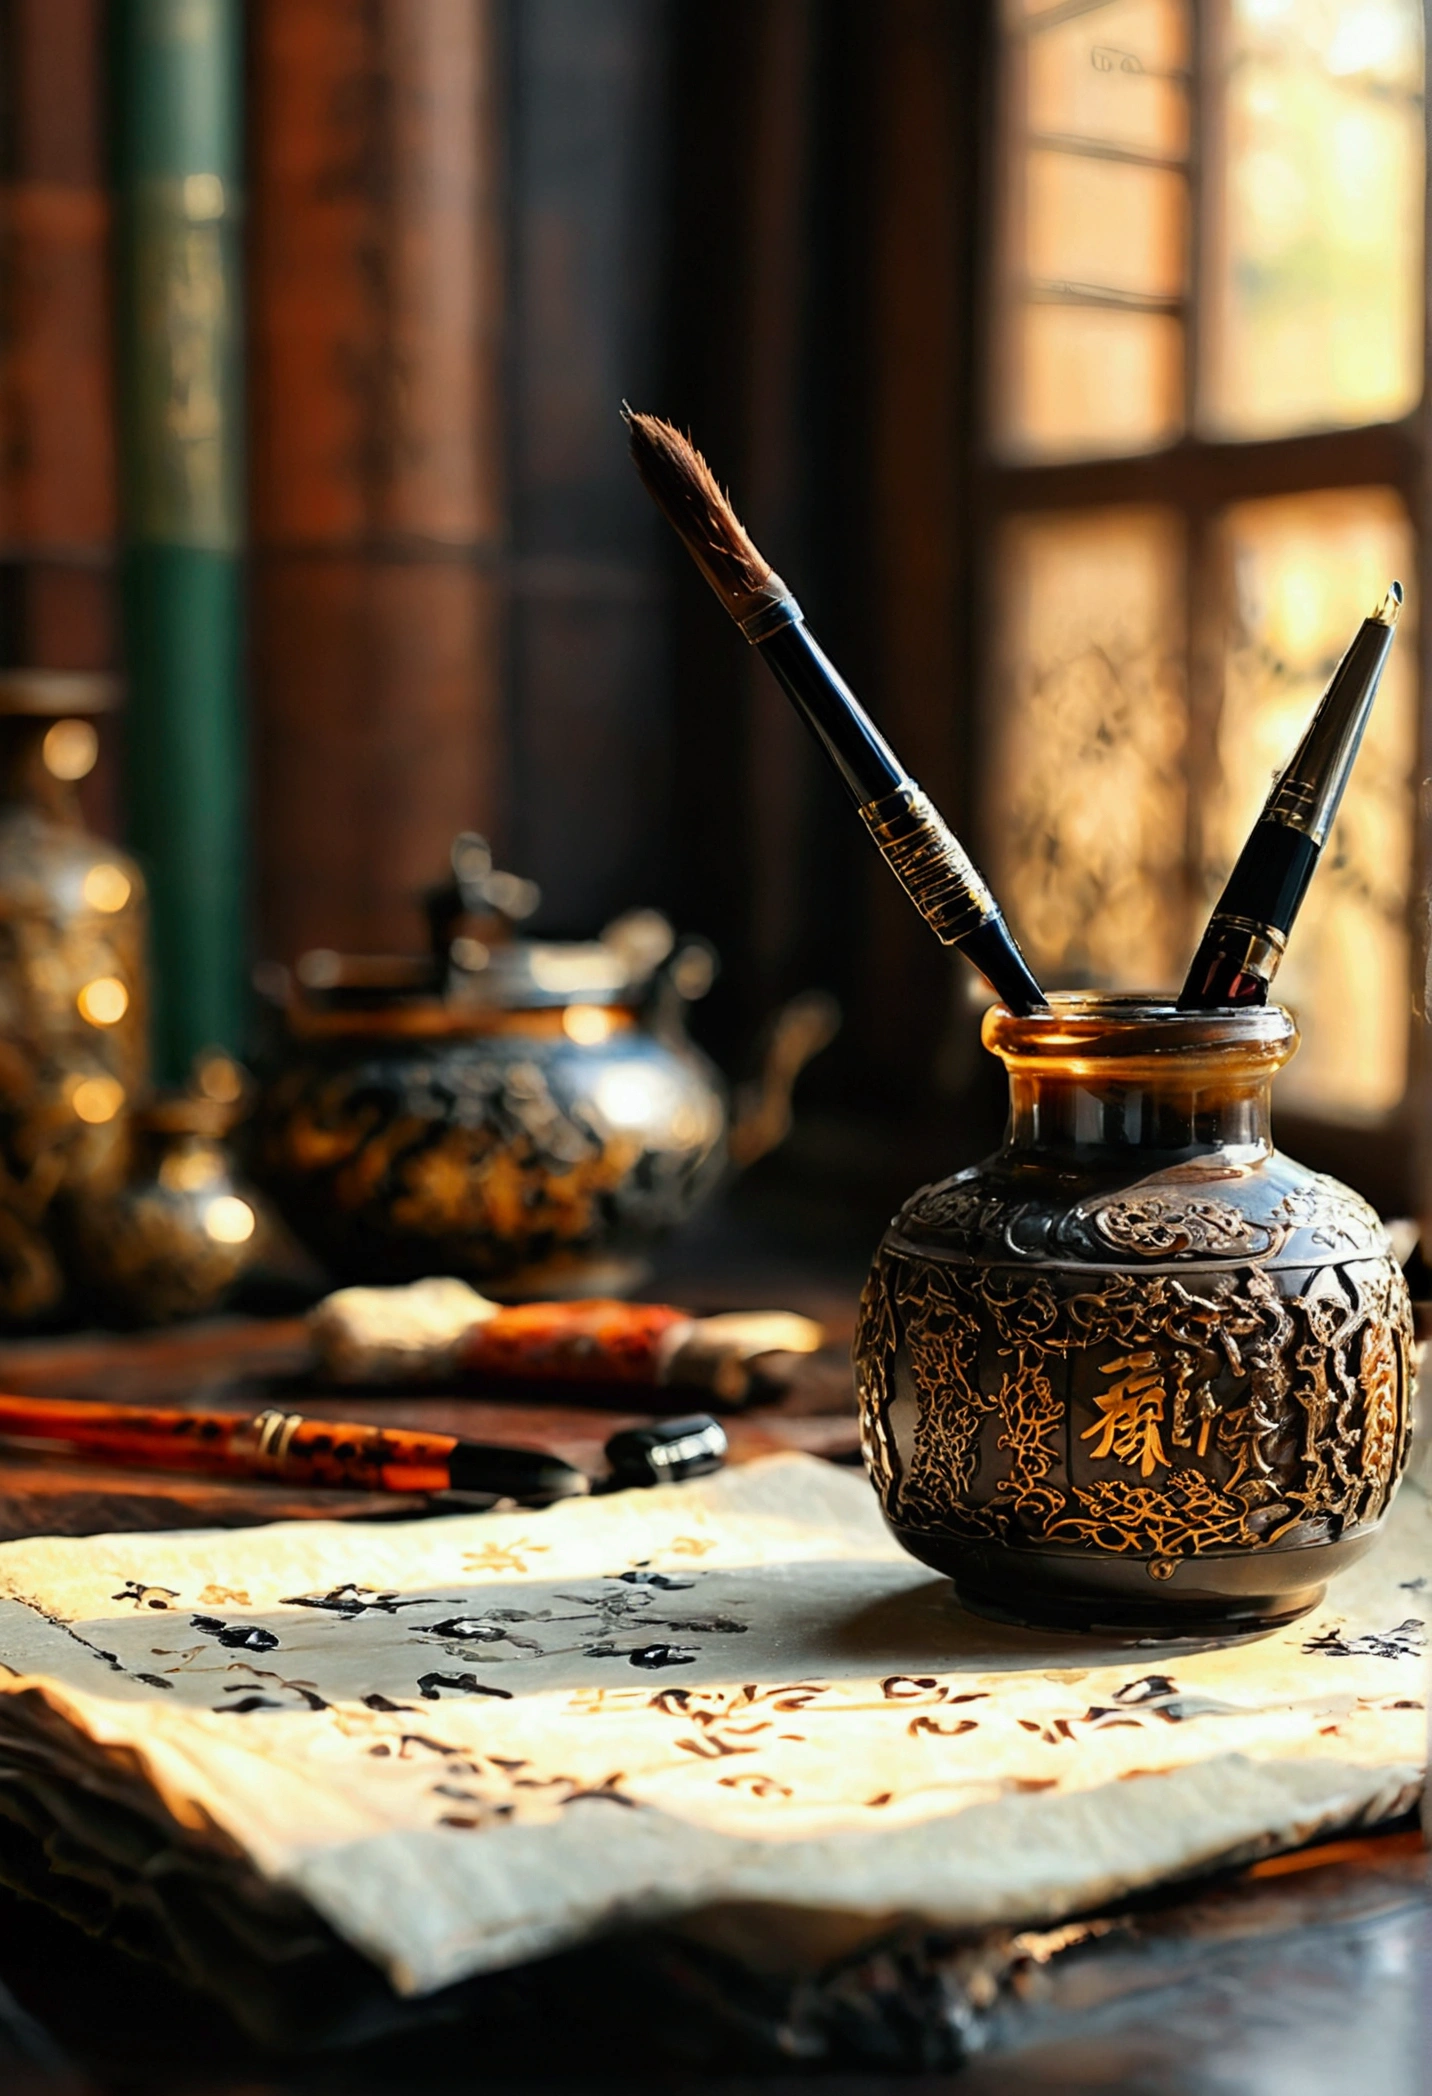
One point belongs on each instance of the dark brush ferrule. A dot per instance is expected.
(770, 613)
(1236, 961)
(528, 1475)
(1247, 933)
(992, 950)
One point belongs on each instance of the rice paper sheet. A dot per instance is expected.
(471, 1740)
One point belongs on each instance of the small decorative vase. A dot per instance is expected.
(1138, 1370)
(182, 1230)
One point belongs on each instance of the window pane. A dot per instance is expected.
(1098, 381)
(1094, 239)
(1087, 833)
(1314, 313)
(1303, 571)
(1101, 226)
(1116, 73)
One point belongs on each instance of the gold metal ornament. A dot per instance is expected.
(73, 986)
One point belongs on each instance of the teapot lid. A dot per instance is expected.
(480, 963)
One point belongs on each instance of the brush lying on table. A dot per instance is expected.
(439, 1328)
(283, 1447)
(1239, 953)
(923, 853)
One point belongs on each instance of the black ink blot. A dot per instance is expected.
(954, 1730)
(662, 1656)
(154, 1680)
(310, 1695)
(239, 1637)
(146, 1597)
(349, 1600)
(656, 1579)
(1405, 1642)
(429, 1686)
(1146, 1688)
(471, 1629)
(377, 1702)
(245, 1704)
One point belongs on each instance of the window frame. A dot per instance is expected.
(1199, 478)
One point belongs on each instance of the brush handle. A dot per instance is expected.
(926, 857)
(1240, 952)
(275, 1445)
(830, 709)
(1243, 945)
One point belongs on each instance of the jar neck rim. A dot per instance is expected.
(1137, 1036)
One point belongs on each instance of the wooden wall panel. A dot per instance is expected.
(57, 451)
(750, 853)
(920, 284)
(823, 295)
(377, 489)
(588, 666)
(373, 743)
(58, 596)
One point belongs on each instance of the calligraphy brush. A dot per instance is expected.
(283, 1446)
(289, 1448)
(1239, 953)
(923, 853)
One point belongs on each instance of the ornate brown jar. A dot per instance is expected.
(1138, 1369)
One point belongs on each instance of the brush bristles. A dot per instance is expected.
(693, 502)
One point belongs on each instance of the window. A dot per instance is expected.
(1207, 356)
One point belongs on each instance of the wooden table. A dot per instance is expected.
(1312, 1982)
(1311, 1974)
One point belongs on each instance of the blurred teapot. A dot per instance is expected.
(529, 1114)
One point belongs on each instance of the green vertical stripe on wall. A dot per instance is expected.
(177, 78)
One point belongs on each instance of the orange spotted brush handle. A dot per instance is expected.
(234, 1444)
(599, 1341)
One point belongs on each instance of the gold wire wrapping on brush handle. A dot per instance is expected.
(930, 863)
(1297, 804)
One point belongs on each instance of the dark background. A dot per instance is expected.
(471, 227)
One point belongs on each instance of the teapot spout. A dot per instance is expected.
(762, 1120)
